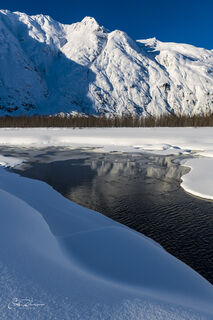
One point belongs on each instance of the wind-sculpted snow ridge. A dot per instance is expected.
(48, 67)
(62, 261)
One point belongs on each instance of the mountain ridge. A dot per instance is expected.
(48, 68)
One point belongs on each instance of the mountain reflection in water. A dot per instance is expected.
(141, 191)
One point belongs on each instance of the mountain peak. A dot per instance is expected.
(90, 21)
(152, 42)
(5, 11)
(48, 67)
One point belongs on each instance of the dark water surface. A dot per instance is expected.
(139, 190)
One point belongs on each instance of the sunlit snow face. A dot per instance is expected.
(48, 67)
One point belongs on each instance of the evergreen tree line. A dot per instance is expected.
(78, 121)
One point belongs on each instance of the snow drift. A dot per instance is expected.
(59, 260)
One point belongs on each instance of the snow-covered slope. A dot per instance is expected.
(59, 260)
(47, 67)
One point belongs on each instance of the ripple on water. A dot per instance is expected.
(140, 191)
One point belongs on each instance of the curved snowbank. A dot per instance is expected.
(81, 264)
(199, 181)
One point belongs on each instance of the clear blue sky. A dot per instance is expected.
(189, 21)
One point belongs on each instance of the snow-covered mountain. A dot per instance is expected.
(47, 67)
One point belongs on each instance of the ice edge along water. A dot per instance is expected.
(196, 141)
(80, 254)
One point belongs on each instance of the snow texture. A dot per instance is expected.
(63, 261)
(9, 161)
(160, 140)
(199, 181)
(48, 67)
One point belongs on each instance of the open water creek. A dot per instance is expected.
(141, 191)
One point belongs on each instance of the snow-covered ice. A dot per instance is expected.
(164, 141)
(75, 263)
(9, 161)
(132, 139)
(199, 181)
(62, 261)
